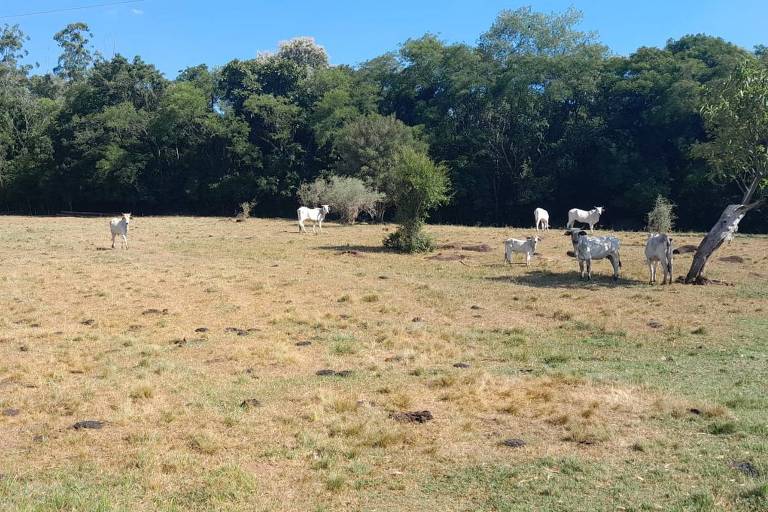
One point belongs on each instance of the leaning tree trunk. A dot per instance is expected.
(722, 231)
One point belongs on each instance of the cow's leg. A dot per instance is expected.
(651, 271)
(125, 242)
(668, 270)
(616, 264)
(527, 259)
(320, 225)
(113, 239)
(581, 268)
(301, 227)
(589, 270)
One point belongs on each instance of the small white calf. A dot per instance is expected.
(541, 216)
(587, 248)
(658, 249)
(591, 217)
(527, 247)
(119, 226)
(317, 215)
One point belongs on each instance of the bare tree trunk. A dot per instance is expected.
(722, 231)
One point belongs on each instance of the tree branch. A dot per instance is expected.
(752, 189)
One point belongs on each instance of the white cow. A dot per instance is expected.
(591, 217)
(658, 249)
(587, 248)
(541, 216)
(527, 247)
(317, 215)
(119, 226)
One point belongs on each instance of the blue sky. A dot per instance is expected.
(173, 34)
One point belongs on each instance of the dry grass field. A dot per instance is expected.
(627, 396)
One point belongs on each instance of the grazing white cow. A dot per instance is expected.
(119, 226)
(591, 217)
(542, 218)
(317, 215)
(527, 247)
(658, 249)
(587, 248)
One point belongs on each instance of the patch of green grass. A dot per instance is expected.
(722, 428)
(219, 489)
(602, 341)
(335, 482)
(75, 488)
(343, 344)
(555, 359)
(754, 498)
(700, 501)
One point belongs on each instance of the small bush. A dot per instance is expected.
(409, 239)
(245, 209)
(662, 218)
(348, 196)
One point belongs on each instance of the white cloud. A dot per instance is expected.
(137, 12)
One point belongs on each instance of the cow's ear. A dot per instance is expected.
(567, 233)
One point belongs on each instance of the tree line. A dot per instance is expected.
(536, 113)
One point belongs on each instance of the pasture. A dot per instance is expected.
(627, 396)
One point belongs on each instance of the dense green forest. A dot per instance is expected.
(536, 113)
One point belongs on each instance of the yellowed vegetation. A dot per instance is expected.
(164, 341)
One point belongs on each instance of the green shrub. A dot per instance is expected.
(410, 239)
(245, 209)
(662, 218)
(419, 186)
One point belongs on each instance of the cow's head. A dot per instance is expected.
(326, 209)
(127, 217)
(575, 233)
(534, 240)
(599, 209)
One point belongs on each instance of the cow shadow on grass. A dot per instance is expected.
(542, 279)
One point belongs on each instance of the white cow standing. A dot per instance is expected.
(541, 216)
(527, 247)
(317, 215)
(658, 249)
(587, 248)
(119, 226)
(590, 217)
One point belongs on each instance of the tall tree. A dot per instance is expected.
(76, 54)
(736, 117)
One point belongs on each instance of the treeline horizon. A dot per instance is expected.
(536, 114)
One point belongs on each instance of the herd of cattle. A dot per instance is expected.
(586, 248)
